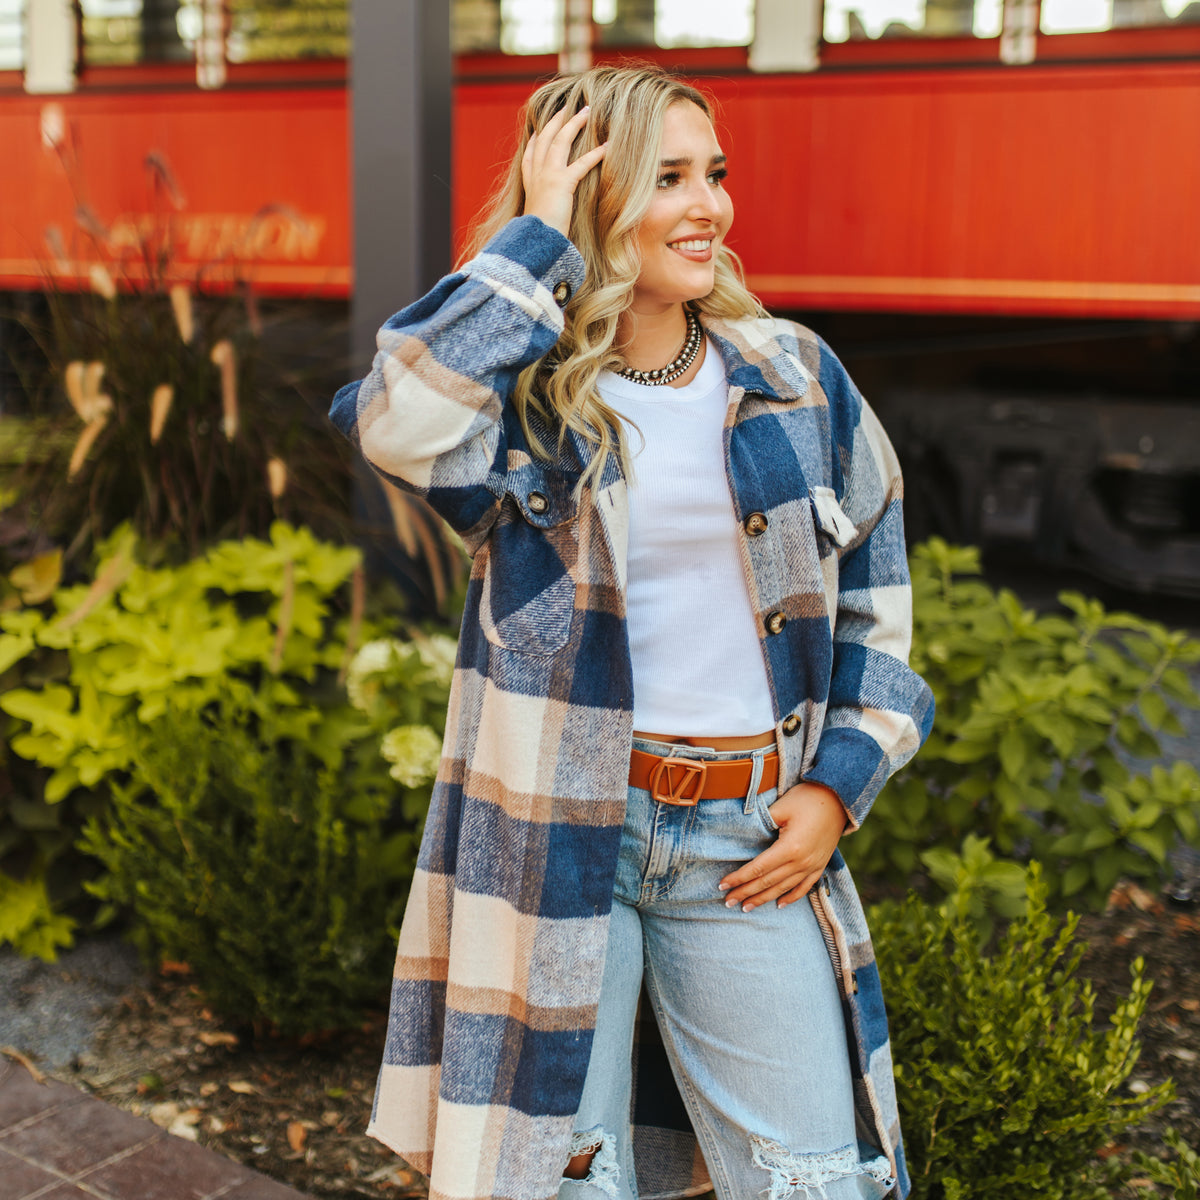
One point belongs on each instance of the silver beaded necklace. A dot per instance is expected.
(679, 365)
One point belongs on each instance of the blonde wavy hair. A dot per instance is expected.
(628, 106)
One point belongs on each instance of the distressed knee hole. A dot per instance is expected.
(807, 1174)
(601, 1171)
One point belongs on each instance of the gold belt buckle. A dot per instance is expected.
(684, 780)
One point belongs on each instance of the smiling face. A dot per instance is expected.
(688, 217)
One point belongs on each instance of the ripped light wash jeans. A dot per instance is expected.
(747, 1006)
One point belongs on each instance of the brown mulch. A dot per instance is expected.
(297, 1110)
(294, 1109)
(1167, 938)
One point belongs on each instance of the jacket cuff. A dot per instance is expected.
(852, 764)
(534, 265)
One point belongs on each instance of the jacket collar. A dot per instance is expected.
(761, 355)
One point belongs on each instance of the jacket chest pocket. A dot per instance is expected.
(527, 599)
(834, 528)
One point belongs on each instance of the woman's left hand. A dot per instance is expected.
(811, 819)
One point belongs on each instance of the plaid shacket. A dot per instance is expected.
(502, 948)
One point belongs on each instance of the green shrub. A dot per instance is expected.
(247, 615)
(253, 622)
(1041, 723)
(978, 884)
(1005, 1086)
(1181, 1176)
(278, 876)
(238, 806)
(40, 871)
(28, 919)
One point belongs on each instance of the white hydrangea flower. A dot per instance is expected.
(437, 653)
(414, 752)
(374, 658)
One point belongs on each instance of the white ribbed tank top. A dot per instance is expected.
(697, 666)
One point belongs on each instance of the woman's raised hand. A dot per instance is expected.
(550, 180)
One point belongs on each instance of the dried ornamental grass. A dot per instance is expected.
(181, 306)
(102, 282)
(160, 406)
(158, 362)
(226, 360)
(87, 439)
(93, 406)
(73, 380)
(358, 607)
(82, 381)
(277, 476)
(287, 604)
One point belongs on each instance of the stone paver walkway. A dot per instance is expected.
(58, 1143)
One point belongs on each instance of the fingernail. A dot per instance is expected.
(723, 887)
(731, 904)
(586, 108)
(747, 908)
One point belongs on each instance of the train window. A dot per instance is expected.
(624, 22)
(513, 26)
(858, 20)
(131, 31)
(474, 25)
(12, 47)
(673, 22)
(270, 30)
(1076, 16)
(536, 26)
(531, 26)
(1090, 16)
(112, 31)
(703, 22)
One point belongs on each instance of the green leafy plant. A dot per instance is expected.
(249, 614)
(276, 869)
(1180, 1175)
(1041, 723)
(1005, 1085)
(978, 885)
(28, 920)
(253, 622)
(40, 871)
(238, 805)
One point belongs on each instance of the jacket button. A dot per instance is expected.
(755, 524)
(537, 502)
(791, 724)
(854, 982)
(562, 293)
(775, 622)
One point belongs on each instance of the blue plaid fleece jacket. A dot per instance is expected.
(502, 947)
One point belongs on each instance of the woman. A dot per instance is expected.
(681, 678)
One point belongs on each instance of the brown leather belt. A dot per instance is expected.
(685, 781)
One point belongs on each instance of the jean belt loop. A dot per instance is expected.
(756, 770)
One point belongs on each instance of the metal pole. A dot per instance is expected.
(400, 132)
(400, 155)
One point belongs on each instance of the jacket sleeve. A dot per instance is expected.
(879, 710)
(430, 415)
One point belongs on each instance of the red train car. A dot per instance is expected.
(921, 185)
